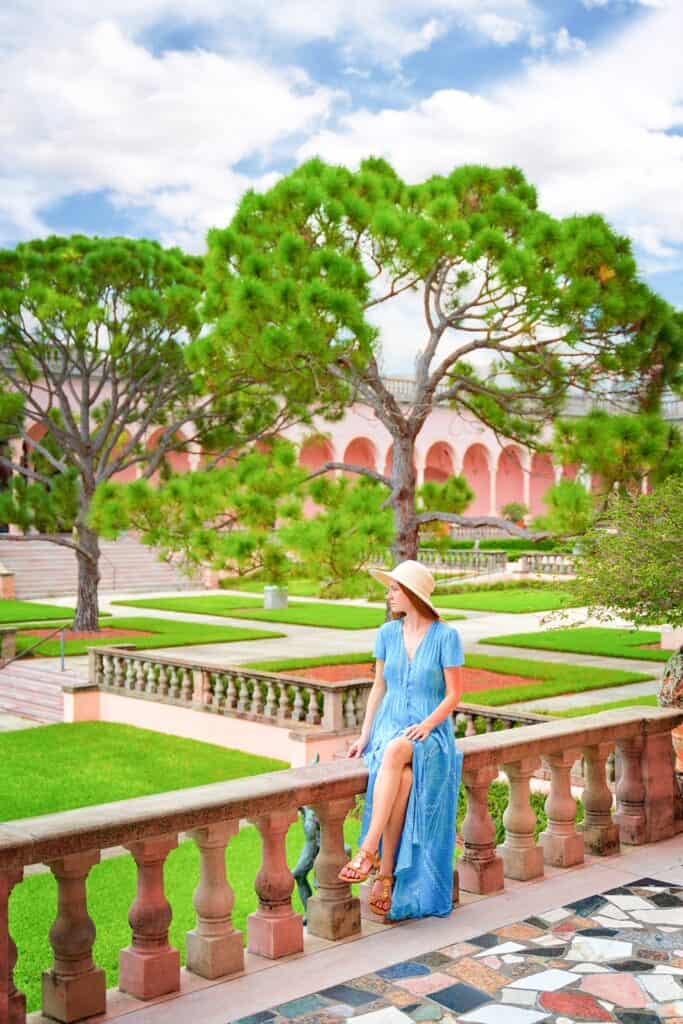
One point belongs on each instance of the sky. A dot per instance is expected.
(152, 120)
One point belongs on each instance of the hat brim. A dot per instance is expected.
(387, 579)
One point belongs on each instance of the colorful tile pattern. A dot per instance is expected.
(614, 957)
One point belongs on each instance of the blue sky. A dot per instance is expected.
(153, 120)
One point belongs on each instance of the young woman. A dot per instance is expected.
(407, 741)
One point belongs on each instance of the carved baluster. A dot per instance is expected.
(162, 681)
(243, 701)
(140, 676)
(332, 913)
(186, 685)
(130, 674)
(630, 815)
(350, 710)
(313, 716)
(274, 929)
(206, 692)
(471, 729)
(150, 678)
(218, 692)
(12, 1001)
(489, 724)
(150, 967)
(214, 947)
(119, 673)
(257, 698)
(298, 710)
(75, 987)
(174, 688)
(107, 670)
(231, 692)
(523, 859)
(600, 834)
(283, 707)
(480, 869)
(562, 844)
(271, 703)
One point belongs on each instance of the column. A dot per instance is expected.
(12, 1001)
(214, 947)
(630, 816)
(75, 987)
(274, 929)
(150, 967)
(562, 844)
(657, 768)
(522, 857)
(332, 913)
(480, 869)
(600, 834)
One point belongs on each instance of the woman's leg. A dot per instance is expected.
(392, 835)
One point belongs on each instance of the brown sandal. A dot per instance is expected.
(356, 862)
(387, 885)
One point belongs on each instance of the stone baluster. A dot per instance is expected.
(480, 869)
(150, 967)
(119, 673)
(186, 685)
(562, 844)
(162, 681)
(256, 707)
(214, 947)
(630, 816)
(271, 700)
(12, 1001)
(298, 709)
(313, 716)
(218, 699)
(350, 710)
(333, 710)
(471, 728)
(489, 724)
(75, 987)
(522, 857)
(150, 678)
(231, 692)
(174, 683)
(130, 674)
(274, 929)
(243, 699)
(206, 691)
(95, 667)
(600, 834)
(332, 913)
(107, 670)
(140, 680)
(283, 708)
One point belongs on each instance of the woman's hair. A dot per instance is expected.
(417, 604)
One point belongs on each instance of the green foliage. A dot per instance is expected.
(452, 496)
(571, 509)
(632, 565)
(515, 511)
(621, 450)
(350, 530)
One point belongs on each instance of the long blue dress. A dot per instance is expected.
(423, 872)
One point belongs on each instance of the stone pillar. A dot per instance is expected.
(630, 816)
(75, 987)
(274, 929)
(12, 1001)
(214, 947)
(480, 869)
(657, 770)
(562, 844)
(522, 857)
(333, 710)
(332, 913)
(150, 967)
(600, 834)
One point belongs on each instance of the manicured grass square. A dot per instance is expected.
(31, 611)
(329, 616)
(512, 601)
(210, 604)
(614, 643)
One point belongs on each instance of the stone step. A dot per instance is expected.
(34, 692)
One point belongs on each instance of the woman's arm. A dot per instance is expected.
(454, 687)
(375, 697)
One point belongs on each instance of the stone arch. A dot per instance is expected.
(439, 463)
(315, 452)
(179, 462)
(476, 470)
(542, 479)
(509, 477)
(361, 451)
(570, 472)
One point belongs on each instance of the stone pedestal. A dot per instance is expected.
(275, 597)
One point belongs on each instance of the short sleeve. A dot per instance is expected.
(381, 644)
(451, 649)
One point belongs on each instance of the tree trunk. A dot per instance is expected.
(87, 608)
(404, 480)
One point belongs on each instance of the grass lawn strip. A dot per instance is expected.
(513, 601)
(330, 616)
(165, 633)
(12, 611)
(213, 604)
(612, 643)
(594, 709)
(296, 588)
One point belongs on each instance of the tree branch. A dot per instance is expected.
(350, 468)
(476, 521)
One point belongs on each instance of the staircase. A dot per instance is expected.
(42, 569)
(34, 692)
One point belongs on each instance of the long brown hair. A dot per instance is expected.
(418, 604)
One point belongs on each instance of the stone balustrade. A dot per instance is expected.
(556, 565)
(70, 843)
(475, 560)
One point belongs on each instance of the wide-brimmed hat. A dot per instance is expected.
(411, 575)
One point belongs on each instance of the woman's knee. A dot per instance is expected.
(398, 753)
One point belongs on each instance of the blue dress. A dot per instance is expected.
(423, 872)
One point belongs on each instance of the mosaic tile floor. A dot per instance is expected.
(616, 956)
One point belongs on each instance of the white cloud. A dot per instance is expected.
(564, 42)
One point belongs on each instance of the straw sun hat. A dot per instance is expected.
(411, 575)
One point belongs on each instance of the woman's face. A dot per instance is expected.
(398, 600)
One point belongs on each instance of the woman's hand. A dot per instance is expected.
(418, 732)
(357, 747)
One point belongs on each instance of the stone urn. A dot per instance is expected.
(275, 596)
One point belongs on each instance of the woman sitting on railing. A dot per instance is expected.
(408, 743)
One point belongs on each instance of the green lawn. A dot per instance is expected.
(614, 643)
(515, 601)
(332, 616)
(29, 611)
(211, 604)
(593, 709)
(297, 588)
(166, 633)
